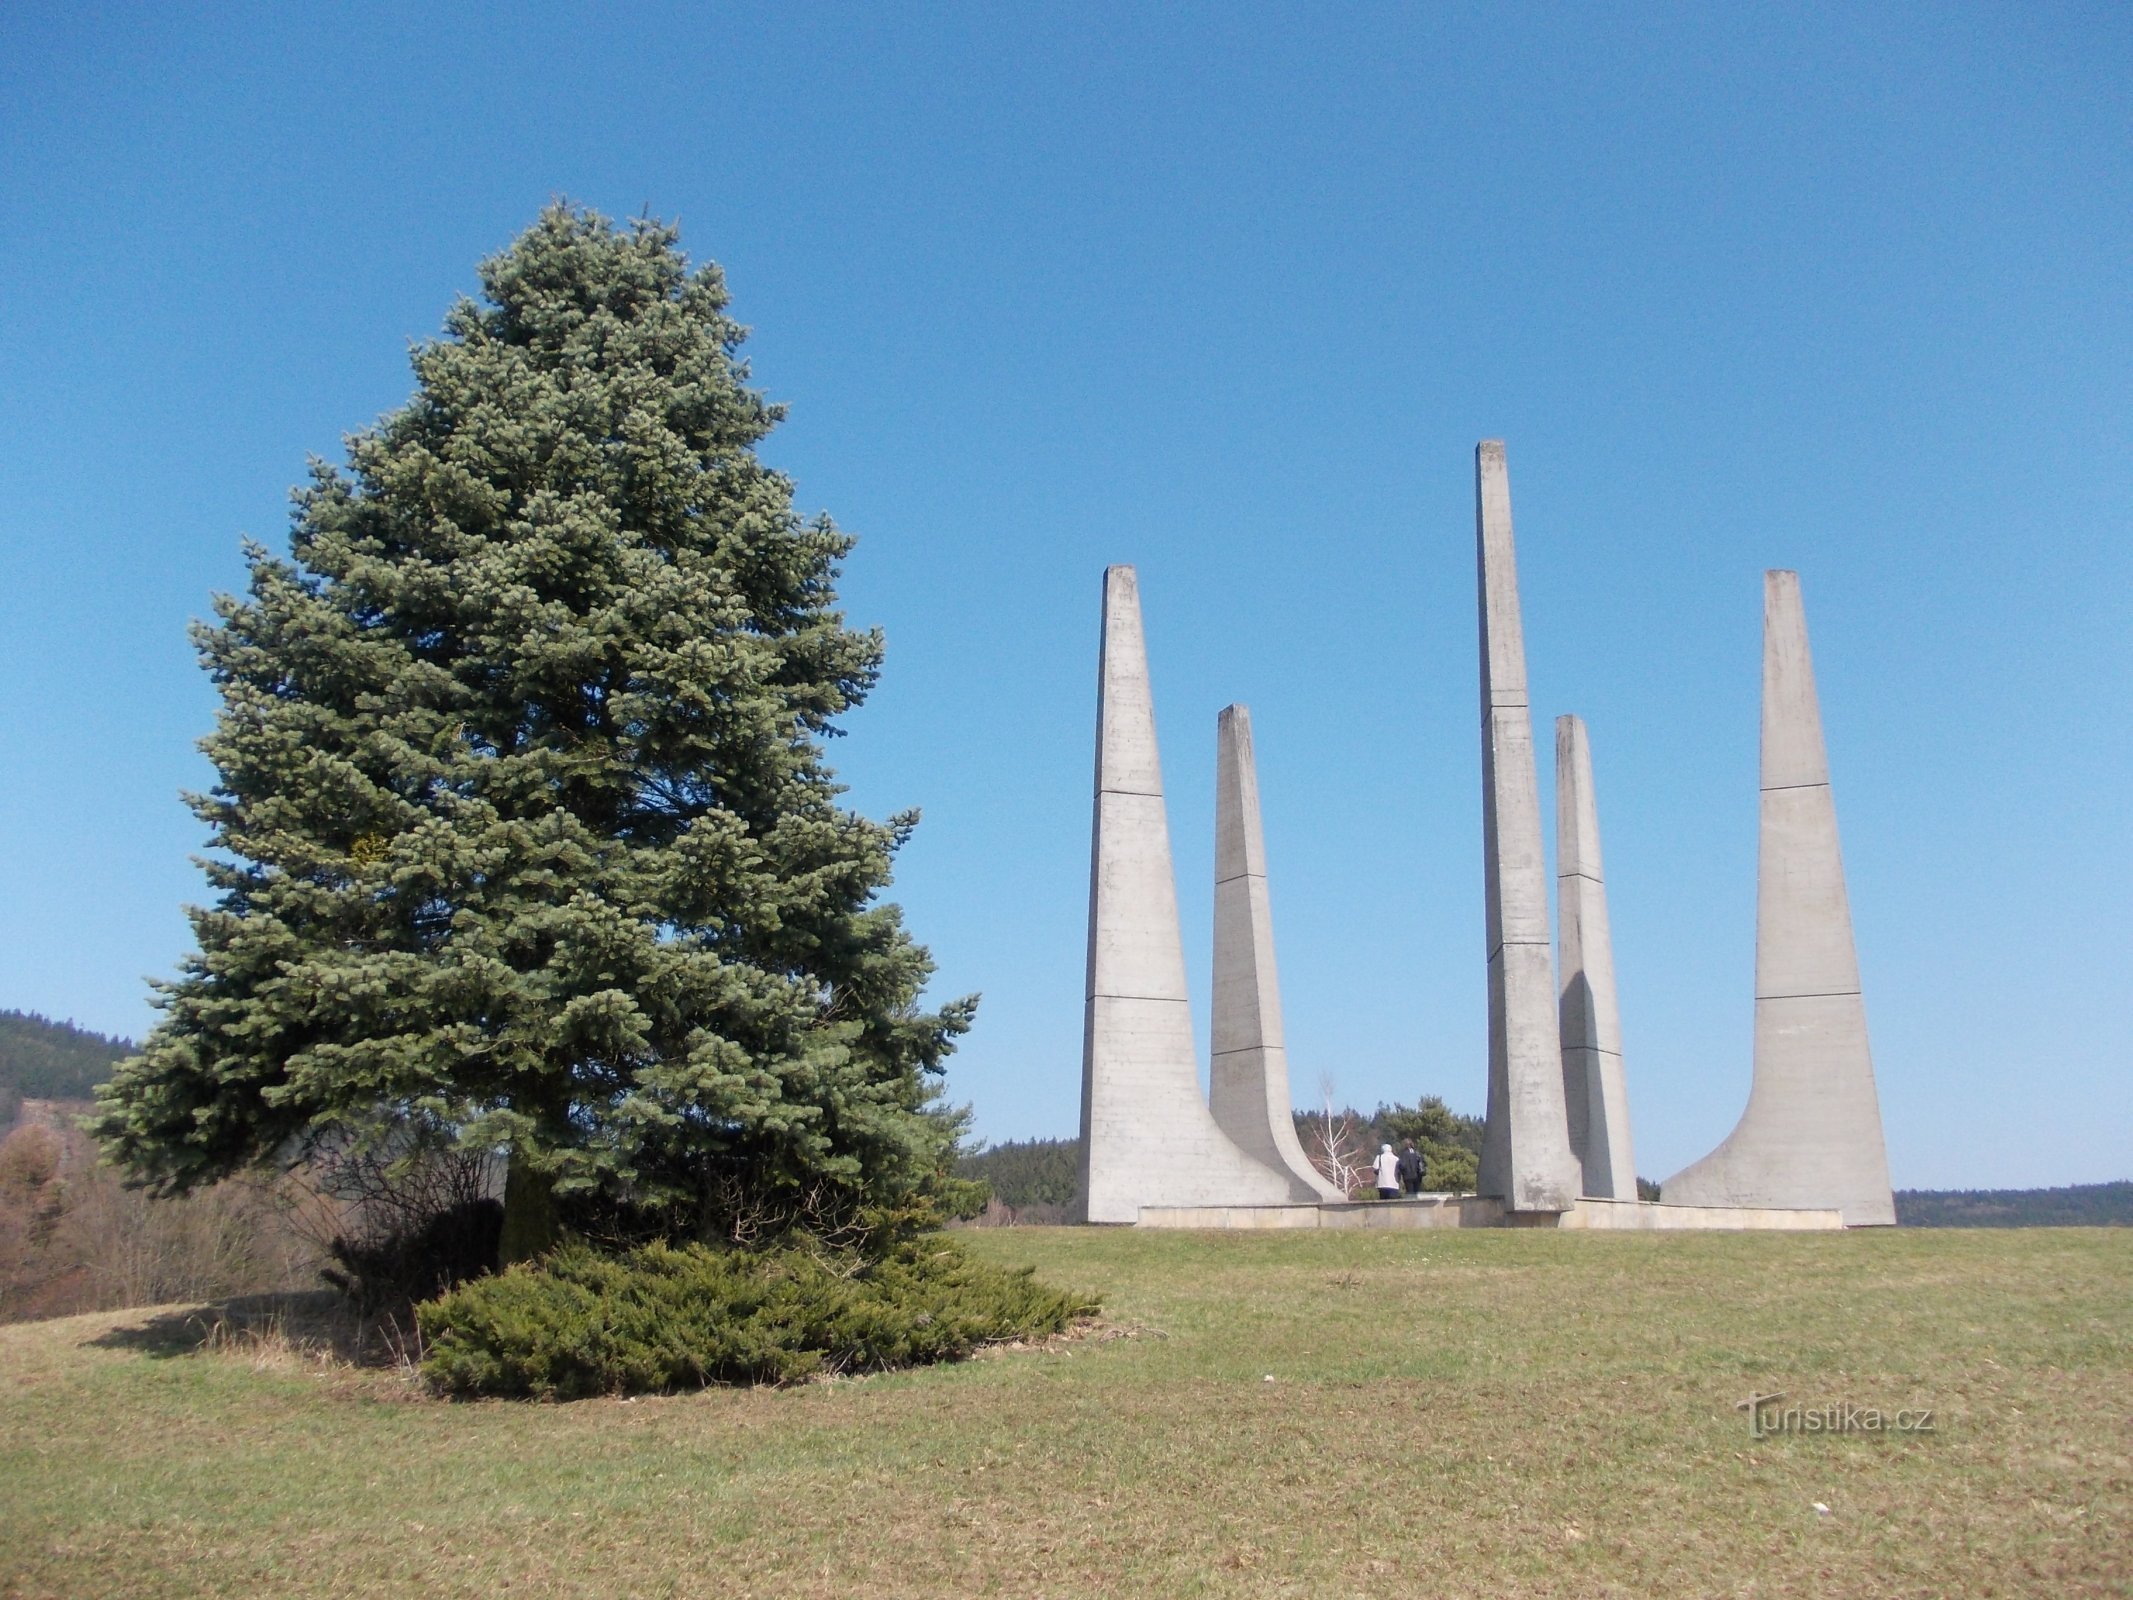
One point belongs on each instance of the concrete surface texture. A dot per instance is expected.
(1526, 1159)
(1249, 1064)
(1476, 1211)
(1147, 1136)
(1811, 1135)
(1595, 1094)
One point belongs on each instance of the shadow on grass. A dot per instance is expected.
(314, 1323)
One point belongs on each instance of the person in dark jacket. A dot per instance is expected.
(1411, 1170)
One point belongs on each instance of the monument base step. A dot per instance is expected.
(1477, 1211)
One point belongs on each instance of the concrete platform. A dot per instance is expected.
(1480, 1211)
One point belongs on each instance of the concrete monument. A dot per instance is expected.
(1147, 1137)
(1594, 1093)
(1811, 1135)
(1526, 1159)
(1249, 1068)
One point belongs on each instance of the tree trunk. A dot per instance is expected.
(529, 1214)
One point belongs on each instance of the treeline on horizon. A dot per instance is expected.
(41, 1059)
(2079, 1205)
(45, 1060)
(1037, 1179)
(1034, 1176)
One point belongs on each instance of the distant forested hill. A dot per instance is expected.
(1027, 1173)
(45, 1060)
(2083, 1205)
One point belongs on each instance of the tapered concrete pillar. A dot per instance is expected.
(1249, 1071)
(1811, 1135)
(1594, 1092)
(1147, 1137)
(1526, 1158)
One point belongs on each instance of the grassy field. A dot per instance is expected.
(1468, 1414)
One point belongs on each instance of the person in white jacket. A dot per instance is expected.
(1388, 1170)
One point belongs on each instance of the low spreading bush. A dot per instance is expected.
(679, 1317)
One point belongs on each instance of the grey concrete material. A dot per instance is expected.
(1607, 1216)
(1228, 1218)
(1147, 1136)
(1429, 1211)
(1800, 898)
(1793, 753)
(1595, 1091)
(1526, 1159)
(1249, 1070)
(1133, 945)
(1811, 1135)
(1812, 1132)
(1453, 1211)
(1475, 1211)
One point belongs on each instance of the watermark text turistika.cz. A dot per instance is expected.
(1769, 1415)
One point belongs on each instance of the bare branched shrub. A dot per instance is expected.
(74, 1238)
(999, 1214)
(409, 1219)
(239, 1237)
(1335, 1143)
(738, 1210)
(398, 1187)
(30, 1200)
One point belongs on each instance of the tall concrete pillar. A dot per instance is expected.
(1526, 1158)
(1594, 1092)
(1249, 1070)
(1811, 1135)
(1147, 1137)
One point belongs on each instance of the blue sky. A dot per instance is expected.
(1229, 293)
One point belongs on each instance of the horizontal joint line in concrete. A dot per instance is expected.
(1156, 794)
(1234, 876)
(1772, 788)
(1497, 948)
(1808, 994)
(1108, 994)
(1588, 877)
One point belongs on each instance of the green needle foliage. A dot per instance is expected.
(525, 841)
(580, 1323)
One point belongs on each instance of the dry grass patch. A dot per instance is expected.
(1488, 1414)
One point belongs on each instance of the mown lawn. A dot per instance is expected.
(1480, 1414)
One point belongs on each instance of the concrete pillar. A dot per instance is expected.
(1147, 1137)
(1594, 1092)
(1249, 1067)
(1811, 1135)
(1526, 1160)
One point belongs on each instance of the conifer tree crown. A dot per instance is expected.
(525, 837)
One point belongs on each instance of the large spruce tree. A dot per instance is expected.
(525, 841)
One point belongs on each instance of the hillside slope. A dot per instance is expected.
(45, 1060)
